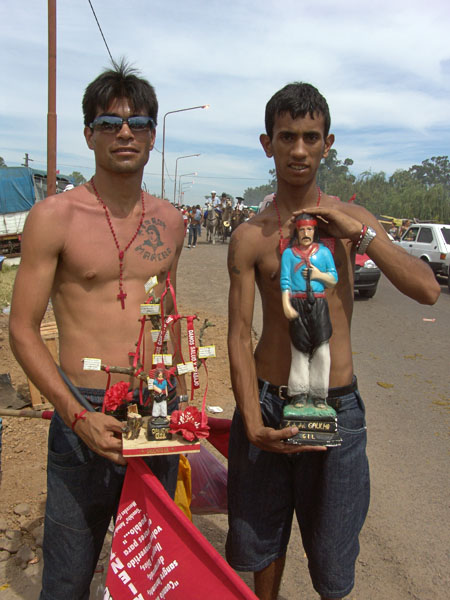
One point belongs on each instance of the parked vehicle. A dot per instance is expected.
(20, 188)
(366, 277)
(429, 242)
(446, 270)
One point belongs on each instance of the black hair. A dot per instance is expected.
(294, 237)
(298, 99)
(121, 81)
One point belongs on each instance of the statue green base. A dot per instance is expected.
(316, 426)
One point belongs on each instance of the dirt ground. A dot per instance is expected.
(202, 289)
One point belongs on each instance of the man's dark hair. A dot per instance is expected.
(121, 81)
(298, 99)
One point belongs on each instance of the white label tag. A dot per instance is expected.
(150, 284)
(155, 334)
(162, 358)
(92, 364)
(150, 309)
(149, 383)
(183, 368)
(207, 352)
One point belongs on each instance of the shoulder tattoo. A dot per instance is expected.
(232, 259)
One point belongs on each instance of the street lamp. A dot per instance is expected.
(184, 175)
(164, 138)
(176, 169)
(186, 183)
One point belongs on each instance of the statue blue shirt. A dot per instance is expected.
(161, 384)
(293, 280)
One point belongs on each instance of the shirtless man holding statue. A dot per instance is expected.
(269, 479)
(91, 250)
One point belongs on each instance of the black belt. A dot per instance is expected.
(334, 394)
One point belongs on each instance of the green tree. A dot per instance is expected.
(3, 165)
(432, 171)
(253, 196)
(421, 192)
(78, 178)
(334, 177)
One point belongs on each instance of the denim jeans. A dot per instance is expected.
(193, 235)
(83, 492)
(329, 492)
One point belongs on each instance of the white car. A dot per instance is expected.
(430, 242)
(446, 270)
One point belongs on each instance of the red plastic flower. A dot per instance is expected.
(117, 395)
(188, 422)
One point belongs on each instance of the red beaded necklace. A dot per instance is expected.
(121, 295)
(284, 242)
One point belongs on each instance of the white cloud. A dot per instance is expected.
(383, 66)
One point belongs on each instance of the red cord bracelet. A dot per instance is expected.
(79, 417)
(361, 235)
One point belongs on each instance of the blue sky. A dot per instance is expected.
(383, 66)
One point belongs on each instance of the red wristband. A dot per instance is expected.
(79, 417)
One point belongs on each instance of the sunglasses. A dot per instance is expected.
(111, 123)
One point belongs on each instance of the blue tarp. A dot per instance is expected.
(19, 187)
(17, 192)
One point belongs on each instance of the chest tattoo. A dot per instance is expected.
(152, 246)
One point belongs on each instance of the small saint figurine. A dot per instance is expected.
(307, 268)
(160, 392)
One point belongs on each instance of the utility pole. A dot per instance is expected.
(51, 115)
(27, 159)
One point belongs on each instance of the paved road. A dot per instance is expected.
(405, 541)
(407, 528)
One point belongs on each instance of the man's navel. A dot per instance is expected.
(90, 275)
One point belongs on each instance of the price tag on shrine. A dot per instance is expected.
(150, 309)
(150, 284)
(162, 358)
(183, 368)
(92, 364)
(149, 383)
(207, 352)
(155, 334)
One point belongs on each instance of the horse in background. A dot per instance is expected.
(238, 217)
(212, 221)
(225, 230)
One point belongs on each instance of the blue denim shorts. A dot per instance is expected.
(83, 493)
(329, 492)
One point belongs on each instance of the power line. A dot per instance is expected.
(93, 11)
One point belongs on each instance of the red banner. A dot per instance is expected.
(158, 553)
(192, 354)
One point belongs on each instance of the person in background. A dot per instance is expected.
(198, 219)
(193, 229)
(393, 230)
(215, 200)
(266, 202)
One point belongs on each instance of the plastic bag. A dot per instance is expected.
(209, 484)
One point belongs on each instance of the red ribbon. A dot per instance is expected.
(304, 254)
(192, 354)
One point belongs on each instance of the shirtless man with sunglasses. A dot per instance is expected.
(90, 251)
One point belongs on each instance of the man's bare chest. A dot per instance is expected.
(93, 254)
